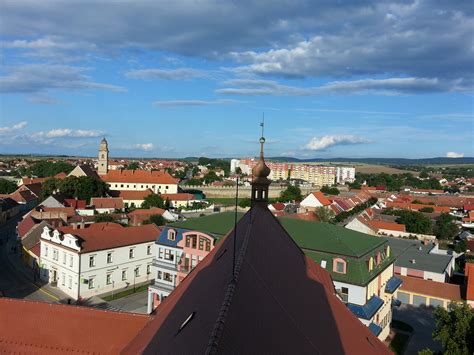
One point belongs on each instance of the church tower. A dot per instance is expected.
(103, 167)
(260, 181)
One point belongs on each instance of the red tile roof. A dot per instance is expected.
(147, 212)
(100, 236)
(431, 288)
(469, 272)
(182, 196)
(76, 204)
(43, 328)
(25, 225)
(107, 202)
(321, 198)
(279, 206)
(132, 194)
(387, 225)
(139, 176)
(36, 249)
(294, 310)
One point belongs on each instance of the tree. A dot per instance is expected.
(455, 328)
(210, 177)
(49, 187)
(103, 218)
(194, 182)
(83, 187)
(424, 174)
(444, 227)
(133, 166)
(330, 190)
(153, 200)
(157, 219)
(292, 193)
(426, 209)
(7, 186)
(238, 170)
(415, 222)
(460, 246)
(45, 168)
(324, 214)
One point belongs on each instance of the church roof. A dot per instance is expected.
(280, 301)
(139, 177)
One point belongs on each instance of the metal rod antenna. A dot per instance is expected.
(235, 228)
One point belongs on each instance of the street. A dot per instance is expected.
(16, 280)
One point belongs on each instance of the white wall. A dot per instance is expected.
(357, 294)
(156, 188)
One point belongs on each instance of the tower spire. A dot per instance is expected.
(260, 172)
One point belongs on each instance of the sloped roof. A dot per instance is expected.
(107, 202)
(38, 327)
(431, 288)
(469, 272)
(25, 225)
(105, 235)
(33, 236)
(131, 194)
(139, 176)
(294, 310)
(321, 198)
(147, 212)
(387, 225)
(182, 196)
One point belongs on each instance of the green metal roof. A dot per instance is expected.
(319, 241)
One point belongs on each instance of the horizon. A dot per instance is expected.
(362, 87)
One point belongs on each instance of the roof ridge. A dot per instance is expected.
(219, 324)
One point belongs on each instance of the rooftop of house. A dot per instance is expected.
(131, 194)
(259, 310)
(139, 176)
(107, 202)
(38, 327)
(106, 235)
(432, 288)
(33, 236)
(407, 250)
(7, 204)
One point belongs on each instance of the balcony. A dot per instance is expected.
(164, 265)
(393, 284)
(374, 328)
(162, 286)
(368, 310)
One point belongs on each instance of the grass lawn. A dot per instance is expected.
(226, 201)
(125, 293)
(399, 343)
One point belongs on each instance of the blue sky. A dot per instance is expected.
(192, 78)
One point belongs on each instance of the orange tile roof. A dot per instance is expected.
(43, 328)
(139, 177)
(100, 236)
(178, 197)
(469, 272)
(321, 198)
(431, 288)
(132, 194)
(387, 225)
(147, 212)
(107, 202)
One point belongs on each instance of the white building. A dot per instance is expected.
(101, 259)
(345, 174)
(234, 164)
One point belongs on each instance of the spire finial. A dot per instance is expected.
(262, 138)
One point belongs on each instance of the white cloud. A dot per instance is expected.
(454, 155)
(389, 86)
(15, 127)
(178, 103)
(37, 78)
(67, 133)
(145, 147)
(165, 74)
(324, 142)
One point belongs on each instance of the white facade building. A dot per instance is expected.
(345, 174)
(101, 259)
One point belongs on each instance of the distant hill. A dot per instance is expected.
(381, 161)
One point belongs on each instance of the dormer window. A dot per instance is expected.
(387, 251)
(171, 234)
(371, 263)
(339, 265)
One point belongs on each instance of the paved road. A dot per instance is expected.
(423, 323)
(135, 303)
(13, 282)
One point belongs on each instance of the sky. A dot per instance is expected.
(194, 78)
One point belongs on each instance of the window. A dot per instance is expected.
(69, 281)
(63, 279)
(167, 277)
(45, 250)
(64, 258)
(345, 294)
(339, 266)
(201, 243)
(166, 187)
(108, 279)
(137, 272)
(148, 269)
(171, 234)
(109, 257)
(91, 283)
(134, 186)
(160, 253)
(159, 275)
(208, 245)
(55, 254)
(131, 253)
(124, 275)
(121, 185)
(148, 249)
(71, 260)
(169, 255)
(91, 261)
(323, 264)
